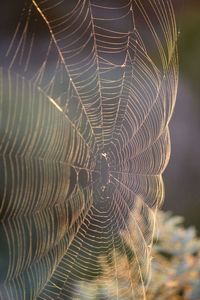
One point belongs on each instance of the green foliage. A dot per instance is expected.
(175, 269)
(176, 262)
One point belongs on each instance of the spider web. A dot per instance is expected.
(87, 91)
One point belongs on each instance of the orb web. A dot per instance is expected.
(87, 92)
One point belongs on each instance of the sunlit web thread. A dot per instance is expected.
(100, 94)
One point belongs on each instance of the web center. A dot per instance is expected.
(104, 170)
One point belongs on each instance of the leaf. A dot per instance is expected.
(84, 142)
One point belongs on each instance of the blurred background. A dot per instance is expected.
(182, 176)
